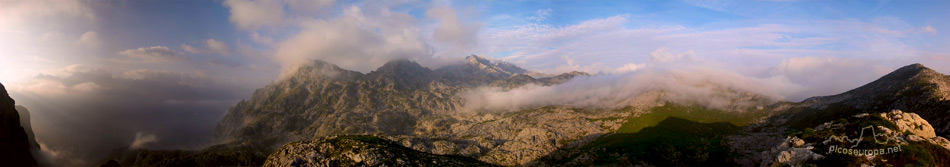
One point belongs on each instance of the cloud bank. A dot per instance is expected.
(83, 114)
(697, 84)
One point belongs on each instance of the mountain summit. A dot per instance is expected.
(321, 99)
(910, 88)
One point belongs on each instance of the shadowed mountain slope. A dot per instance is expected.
(14, 142)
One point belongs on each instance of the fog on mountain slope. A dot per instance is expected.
(700, 85)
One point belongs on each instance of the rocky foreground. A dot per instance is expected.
(893, 138)
(360, 151)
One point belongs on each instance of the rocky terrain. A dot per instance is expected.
(360, 151)
(321, 99)
(14, 142)
(411, 111)
(910, 88)
(894, 138)
(401, 98)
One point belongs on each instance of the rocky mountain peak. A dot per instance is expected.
(909, 72)
(319, 70)
(475, 60)
(914, 78)
(401, 66)
(483, 64)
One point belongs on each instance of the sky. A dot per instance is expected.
(160, 74)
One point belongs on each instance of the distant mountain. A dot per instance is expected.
(14, 142)
(27, 126)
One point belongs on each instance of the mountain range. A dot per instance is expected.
(404, 109)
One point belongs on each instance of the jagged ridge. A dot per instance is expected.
(322, 99)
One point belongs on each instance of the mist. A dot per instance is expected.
(694, 84)
(83, 116)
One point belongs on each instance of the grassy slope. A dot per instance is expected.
(670, 135)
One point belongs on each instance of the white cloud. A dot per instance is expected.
(451, 29)
(152, 54)
(190, 49)
(141, 139)
(663, 55)
(828, 75)
(254, 14)
(218, 47)
(929, 29)
(308, 6)
(262, 39)
(21, 13)
(540, 15)
(694, 84)
(629, 67)
(210, 46)
(90, 39)
(357, 40)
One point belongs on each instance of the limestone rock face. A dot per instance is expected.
(359, 151)
(402, 98)
(14, 143)
(921, 129)
(879, 131)
(794, 152)
(910, 122)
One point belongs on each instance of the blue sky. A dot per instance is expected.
(197, 58)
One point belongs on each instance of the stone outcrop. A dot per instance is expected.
(793, 151)
(359, 151)
(852, 137)
(920, 129)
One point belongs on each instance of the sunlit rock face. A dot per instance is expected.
(14, 142)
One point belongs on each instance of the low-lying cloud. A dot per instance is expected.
(688, 84)
(154, 54)
(84, 114)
